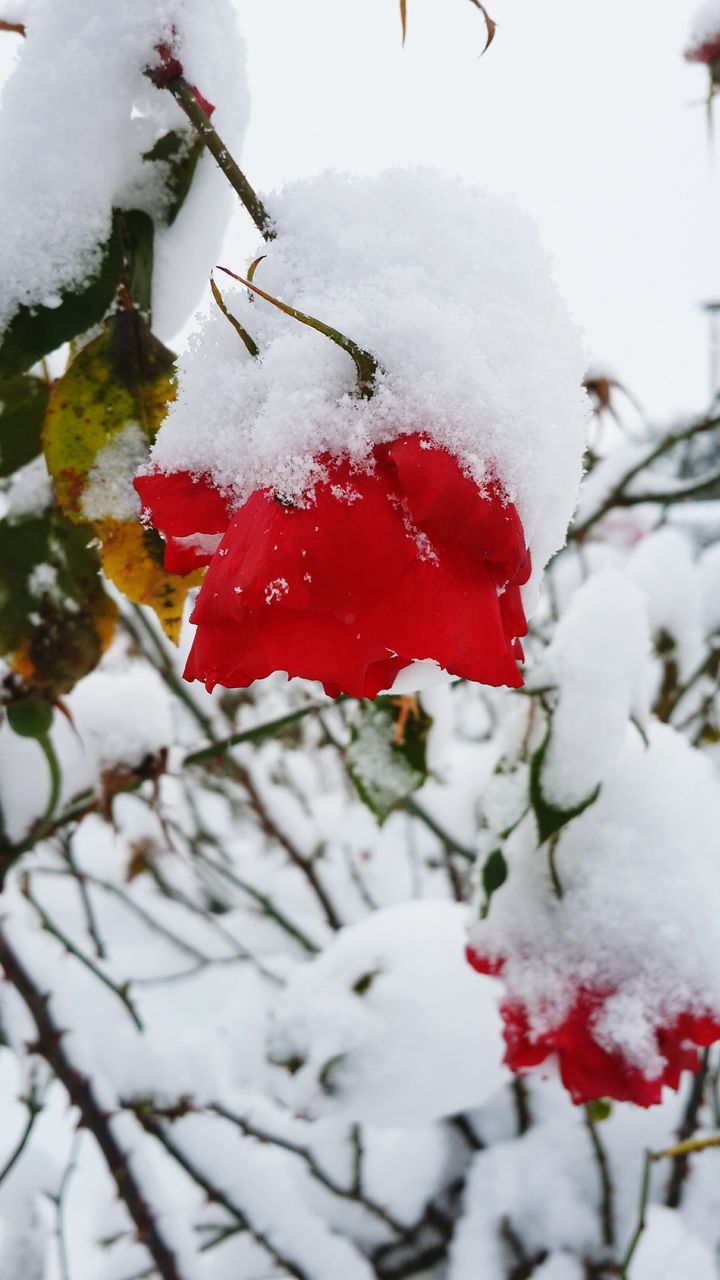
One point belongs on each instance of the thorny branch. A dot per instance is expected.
(619, 493)
(49, 1045)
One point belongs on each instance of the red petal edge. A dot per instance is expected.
(407, 560)
(587, 1069)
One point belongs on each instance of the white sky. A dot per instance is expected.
(583, 110)
(586, 112)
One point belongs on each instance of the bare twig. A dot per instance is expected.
(186, 99)
(49, 1045)
(214, 1193)
(53, 929)
(34, 1107)
(214, 753)
(353, 1192)
(607, 1211)
(689, 1123)
(619, 490)
(59, 1201)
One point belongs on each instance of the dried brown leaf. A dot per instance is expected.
(249, 342)
(254, 266)
(489, 23)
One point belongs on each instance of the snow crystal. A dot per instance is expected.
(647, 851)
(275, 590)
(79, 104)
(108, 490)
(43, 581)
(387, 1024)
(476, 348)
(29, 493)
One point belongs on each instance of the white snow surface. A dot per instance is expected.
(663, 566)
(647, 851)
(597, 661)
(668, 1250)
(451, 292)
(122, 716)
(108, 487)
(421, 1041)
(542, 1183)
(79, 105)
(709, 569)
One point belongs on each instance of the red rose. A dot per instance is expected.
(707, 51)
(407, 560)
(587, 1069)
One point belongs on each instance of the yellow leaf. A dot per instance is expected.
(54, 625)
(124, 376)
(490, 24)
(115, 394)
(132, 558)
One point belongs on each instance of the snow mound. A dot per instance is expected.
(451, 292)
(388, 1024)
(79, 104)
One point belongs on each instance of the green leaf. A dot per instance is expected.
(124, 376)
(36, 331)
(55, 617)
(121, 381)
(176, 154)
(598, 1110)
(23, 401)
(385, 772)
(137, 235)
(550, 819)
(494, 875)
(362, 985)
(327, 1076)
(30, 717)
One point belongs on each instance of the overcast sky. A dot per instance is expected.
(586, 112)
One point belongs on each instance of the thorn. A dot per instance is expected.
(408, 706)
